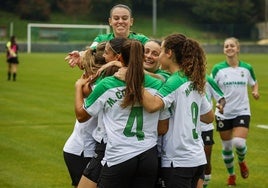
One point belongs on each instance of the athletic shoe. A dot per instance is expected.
(244, 169)
(231, 180)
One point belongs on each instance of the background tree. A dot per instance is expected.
(226, 16)
(38, 10)
(101, 8)
(75, 8)
(9, 5)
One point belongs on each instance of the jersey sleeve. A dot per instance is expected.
(205, 106)
(94, 102)
(214, 89)
(252, 78)
(101, 38)
(164, 114)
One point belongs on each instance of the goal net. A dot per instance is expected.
(63, 33)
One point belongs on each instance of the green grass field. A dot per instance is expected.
(37, 116)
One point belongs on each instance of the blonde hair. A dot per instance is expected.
(236, 41)
(92, 60)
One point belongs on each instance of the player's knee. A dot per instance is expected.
(239, 142)
(227, 145)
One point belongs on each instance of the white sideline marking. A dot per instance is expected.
(263, 126)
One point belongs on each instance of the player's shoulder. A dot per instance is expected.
(111, 82)
(209, 78)
(104, 37)
(138, 36)
(151, 82)
(176, 80)
(219, 66)
(245, 65)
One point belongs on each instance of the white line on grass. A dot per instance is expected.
(263, 126)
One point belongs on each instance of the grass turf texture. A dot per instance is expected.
(37, 116)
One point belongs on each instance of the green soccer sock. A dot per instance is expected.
(241, 153)
(228, 158)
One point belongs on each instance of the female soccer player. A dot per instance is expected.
(183, 157)
(121, 21)
(79, 148)
(233, 77)
(131, 155)
(90, 177)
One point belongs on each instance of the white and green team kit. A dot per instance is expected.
(212, 91)
(106, 37)
(234, 83)
(182, 144)
(130, 131)
(164, 74)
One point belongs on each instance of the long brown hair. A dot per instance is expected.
(132, 53)
(191, 58)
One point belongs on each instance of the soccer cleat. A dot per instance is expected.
(244, 169)
(231, 180)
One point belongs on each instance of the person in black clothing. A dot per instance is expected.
(12, 58)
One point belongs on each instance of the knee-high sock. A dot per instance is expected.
(14, 76)
(228, 156)
(8, 75)
(241, 148)
(206, 180)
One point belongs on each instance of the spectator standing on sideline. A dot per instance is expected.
(12, 58)
(233, 77)
(121, 21)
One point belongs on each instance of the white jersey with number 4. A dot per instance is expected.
(182, 144)
(131, 130)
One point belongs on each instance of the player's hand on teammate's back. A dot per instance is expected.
(121, 73)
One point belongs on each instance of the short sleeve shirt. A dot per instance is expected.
(131, 130)
(182, 144)
(106, 37)
(234, 84)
